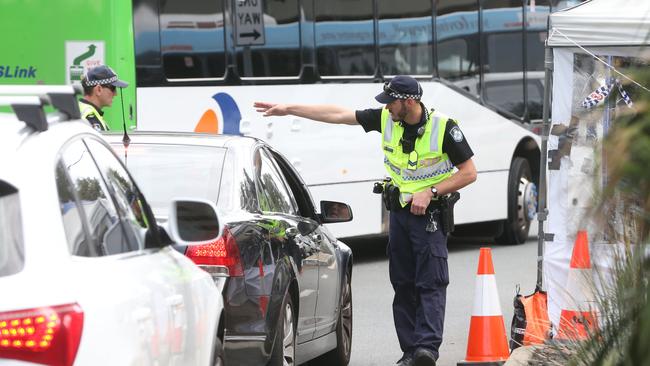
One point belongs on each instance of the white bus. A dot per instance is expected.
(340, 52)
(199, 65)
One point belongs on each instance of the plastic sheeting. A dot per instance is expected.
(576, 172)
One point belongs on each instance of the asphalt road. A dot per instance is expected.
(374, 341)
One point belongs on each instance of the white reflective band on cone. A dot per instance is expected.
(486, 297)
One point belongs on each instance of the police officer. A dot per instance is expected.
(421, 149)
(100, 85)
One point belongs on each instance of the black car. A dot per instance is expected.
(287, 287)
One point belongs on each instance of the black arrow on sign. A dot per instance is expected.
(255, 34)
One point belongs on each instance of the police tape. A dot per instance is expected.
(602, 92)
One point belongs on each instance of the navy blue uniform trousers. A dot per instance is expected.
(419, 275)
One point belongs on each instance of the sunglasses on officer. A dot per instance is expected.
(110, 87)
(388, 89)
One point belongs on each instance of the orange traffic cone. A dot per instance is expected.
(487, 343)
(578, 317)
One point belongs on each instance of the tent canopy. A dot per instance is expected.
(602, 23)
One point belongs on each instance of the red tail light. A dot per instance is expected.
(47, 335)
(222, 252)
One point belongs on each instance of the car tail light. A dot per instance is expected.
(48, 335)
(222, 252)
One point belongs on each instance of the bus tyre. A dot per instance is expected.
(522, 203)
(340, 356)
(284, 345)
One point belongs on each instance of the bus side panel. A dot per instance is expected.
(93, 32)
(121, 57)
(366, 208)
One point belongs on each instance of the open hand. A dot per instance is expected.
(271, 109)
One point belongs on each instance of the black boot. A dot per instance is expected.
(423, 357)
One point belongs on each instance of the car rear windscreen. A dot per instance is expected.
(164, 172)
(12, 250)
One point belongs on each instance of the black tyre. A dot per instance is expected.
(522, 203)
(284, 346)
(340, 356)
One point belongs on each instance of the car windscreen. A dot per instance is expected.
(12, 250)
(164, 171)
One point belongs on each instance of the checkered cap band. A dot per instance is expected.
(100, 81)
(397, 95)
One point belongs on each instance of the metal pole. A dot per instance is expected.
(542, 211)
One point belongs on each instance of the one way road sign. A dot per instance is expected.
(249, 22)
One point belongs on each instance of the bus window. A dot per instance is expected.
(405, 35)
(192, 39)
(536, 20)
(278, 54)
(146, 41)
(345, 38)
(457, 42)
(503, 55)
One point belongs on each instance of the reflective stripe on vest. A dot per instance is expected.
(432, 166)
(87, 109)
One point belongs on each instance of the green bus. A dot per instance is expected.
(52, 41)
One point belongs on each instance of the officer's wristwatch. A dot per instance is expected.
(434, 190)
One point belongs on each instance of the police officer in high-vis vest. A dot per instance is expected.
(427, 157)
(100, 87)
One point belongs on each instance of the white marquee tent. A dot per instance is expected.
(589, 48)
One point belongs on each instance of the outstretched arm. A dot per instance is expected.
(323, 113)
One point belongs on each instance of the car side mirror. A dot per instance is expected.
(332, 212)
(193, 222)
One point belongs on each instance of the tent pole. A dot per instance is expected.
(542, 211)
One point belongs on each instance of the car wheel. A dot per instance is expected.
(522, 203)
(340, 355)
(284, 346)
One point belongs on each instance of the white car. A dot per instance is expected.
(87, 277)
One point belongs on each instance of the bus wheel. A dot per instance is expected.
(522, 203)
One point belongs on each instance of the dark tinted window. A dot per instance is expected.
(126, 195)
(192, 38)
(405, 37)
(458, 42)
(146, 30)
(85, 192)
(345, 37)
(272, 193)
(503, 55)
(536, 21)
(12, 251)
(72, 214)
(275, 50)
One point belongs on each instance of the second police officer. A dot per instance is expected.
(100, 85)
(421, 149)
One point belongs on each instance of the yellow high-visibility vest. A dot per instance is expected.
(425, 166)
(87, 109)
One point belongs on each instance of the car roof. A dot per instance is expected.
(182, 138)
(12, 133)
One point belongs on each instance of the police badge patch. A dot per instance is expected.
(456, 134)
